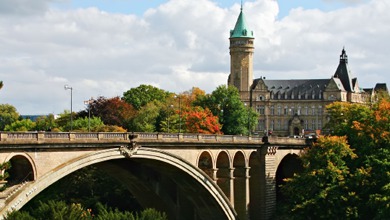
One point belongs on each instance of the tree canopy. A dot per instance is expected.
(144, 94)
(346, 175)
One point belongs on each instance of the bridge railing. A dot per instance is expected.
(103, 137)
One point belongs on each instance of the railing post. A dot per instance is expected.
(3, 136)
(40, 136)
(72, 136)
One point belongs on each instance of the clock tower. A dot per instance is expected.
(241, 57)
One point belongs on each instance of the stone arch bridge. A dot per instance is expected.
(188, 176)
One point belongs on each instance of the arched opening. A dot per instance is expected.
(157, 180)
(288, 166)
(256, 182)
(224, 176)
(296, 131)
(205, 163)
(240, 183)
(21, 170)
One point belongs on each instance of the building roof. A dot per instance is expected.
(343, 73)
(381, 86)
(296, 86)
(241, 29)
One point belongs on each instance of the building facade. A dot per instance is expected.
(293, 107)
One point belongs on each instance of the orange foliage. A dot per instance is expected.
(199, 120)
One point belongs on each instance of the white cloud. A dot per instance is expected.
(176, 46)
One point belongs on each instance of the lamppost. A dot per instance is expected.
(249, 123)
(88, 103)
(169, 115)
(179, 112)
(66, 87)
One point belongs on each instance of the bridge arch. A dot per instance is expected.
(240, 184)
(288, 166)
(206, 163)
(214, 205)
(224, 174)
(22, 168)
(256, 183)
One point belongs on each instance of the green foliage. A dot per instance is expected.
(321, 190)
(144, 94)
(81, 124)
(8, 115)
(225, 103)
(21, 125)
(63, 121)
(45, 123)
(19, 215)
(146, 119)
(151, 214)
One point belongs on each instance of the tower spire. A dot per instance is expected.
(241, 5)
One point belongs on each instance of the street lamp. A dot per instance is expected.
(176, 96)
(249, 123)
(66, 87)
(88, 102)
(169, 115)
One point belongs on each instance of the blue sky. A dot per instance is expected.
(106, 47)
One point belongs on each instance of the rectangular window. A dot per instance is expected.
(278, 125)
(272, 110)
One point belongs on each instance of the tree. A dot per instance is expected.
(322, 191)
(21, 125)
(144, 94)
(82, 124)
(225, 102)
(361, 189)
(63, 121)
(199, 120)
(112, 111)
(8, 115)
(46, 123)
(146, 119)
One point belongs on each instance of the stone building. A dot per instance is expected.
(292, 107)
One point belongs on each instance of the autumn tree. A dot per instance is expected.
(322, 191)
(348, 184)
(199, 120)
(112, 111)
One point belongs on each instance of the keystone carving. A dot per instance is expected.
(129, 151)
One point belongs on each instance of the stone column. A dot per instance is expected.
(269, 186)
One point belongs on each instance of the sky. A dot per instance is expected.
(106, 47)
